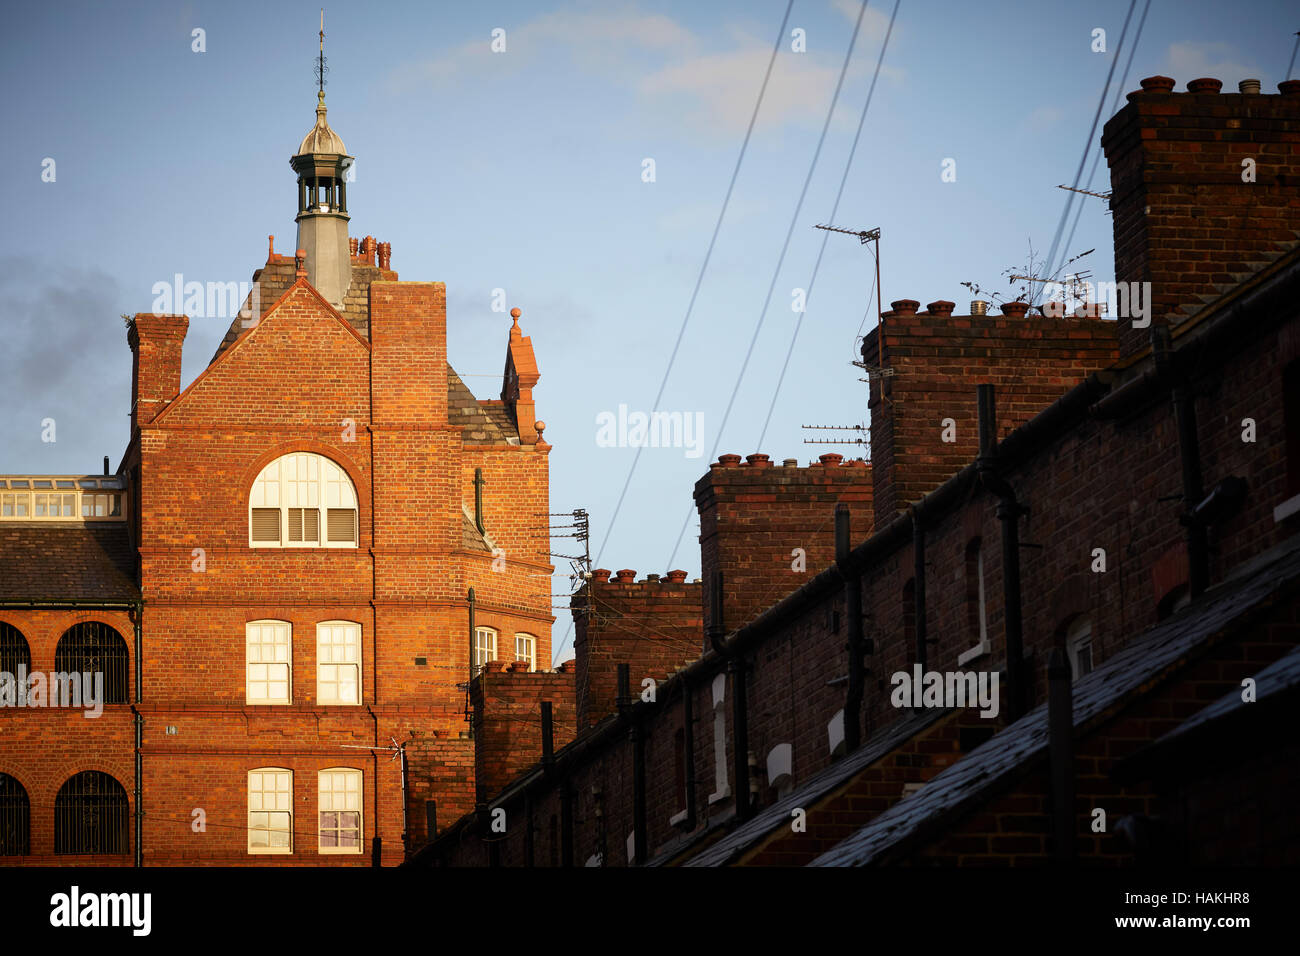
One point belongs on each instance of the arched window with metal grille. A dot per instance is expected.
(13, 650)
(15, 818)
(95, 648)
(90, 815)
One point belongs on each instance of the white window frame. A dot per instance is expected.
(304, 480)
(281, 803)
(480, 652)
(531, 658)
(721, 789)
(1077, 636)
(983, 647)
(255, 637)
(331, 652)
(326, 792)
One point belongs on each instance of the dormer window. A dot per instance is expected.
(302, 500)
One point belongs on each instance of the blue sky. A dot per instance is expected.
(522, 170)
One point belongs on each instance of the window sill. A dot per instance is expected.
(1286, 509)
(976, 652)
(720, 795)
(677, 818)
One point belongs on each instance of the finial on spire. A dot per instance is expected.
(321, 68)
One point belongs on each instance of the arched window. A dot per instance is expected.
(526, 650)
(340, 810)
(485, 647)
(15, 818)
(269, 659)
(302, 500)
(90, 815)
(94, 648)
(338, 662)
(13, 651)
(270, 810)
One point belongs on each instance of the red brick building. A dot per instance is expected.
(1099, 515)
(287, 581)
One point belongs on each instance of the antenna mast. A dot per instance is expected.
(865, 236)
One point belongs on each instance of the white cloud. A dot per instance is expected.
(664, 62)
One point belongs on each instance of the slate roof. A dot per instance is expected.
(1282, 675)
(274, 280)
(73, 562)
(817, 787)
(1150, 656)
(470, 539)
(481, 424)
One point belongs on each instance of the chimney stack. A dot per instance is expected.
(156, 342)
(1204, 189)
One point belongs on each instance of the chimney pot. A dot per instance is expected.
(1015, 310)
(1205, 84)
(626, 576)
(979, 307)
(1248, 86)
(941, 307)
(652, 579)
(1289, 87)
(676, 577)
(905, 306)
(791, 463)
(759, 461)
(727, 461)
(352, 247)
(385, 255)
(600, 574)
(830, 459)
(1158, 84)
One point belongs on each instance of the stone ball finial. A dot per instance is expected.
(515, 313)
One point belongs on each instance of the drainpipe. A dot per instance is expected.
(139, 787)
(139, 731)
(739, 721)
(376, 842)
(688, 728)
(528, 831)
(566, 824)
(918, 583)
(1060, 745)
(1184, 402)
(1009, 512)
(853, 612)
(478, 499)
(406, 827)
(640, 833)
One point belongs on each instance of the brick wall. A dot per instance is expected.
(653, 626)
(937, 359)
(155, 342)
(507, 700)
(769, 528)
(44, 747)
(1185, 220)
